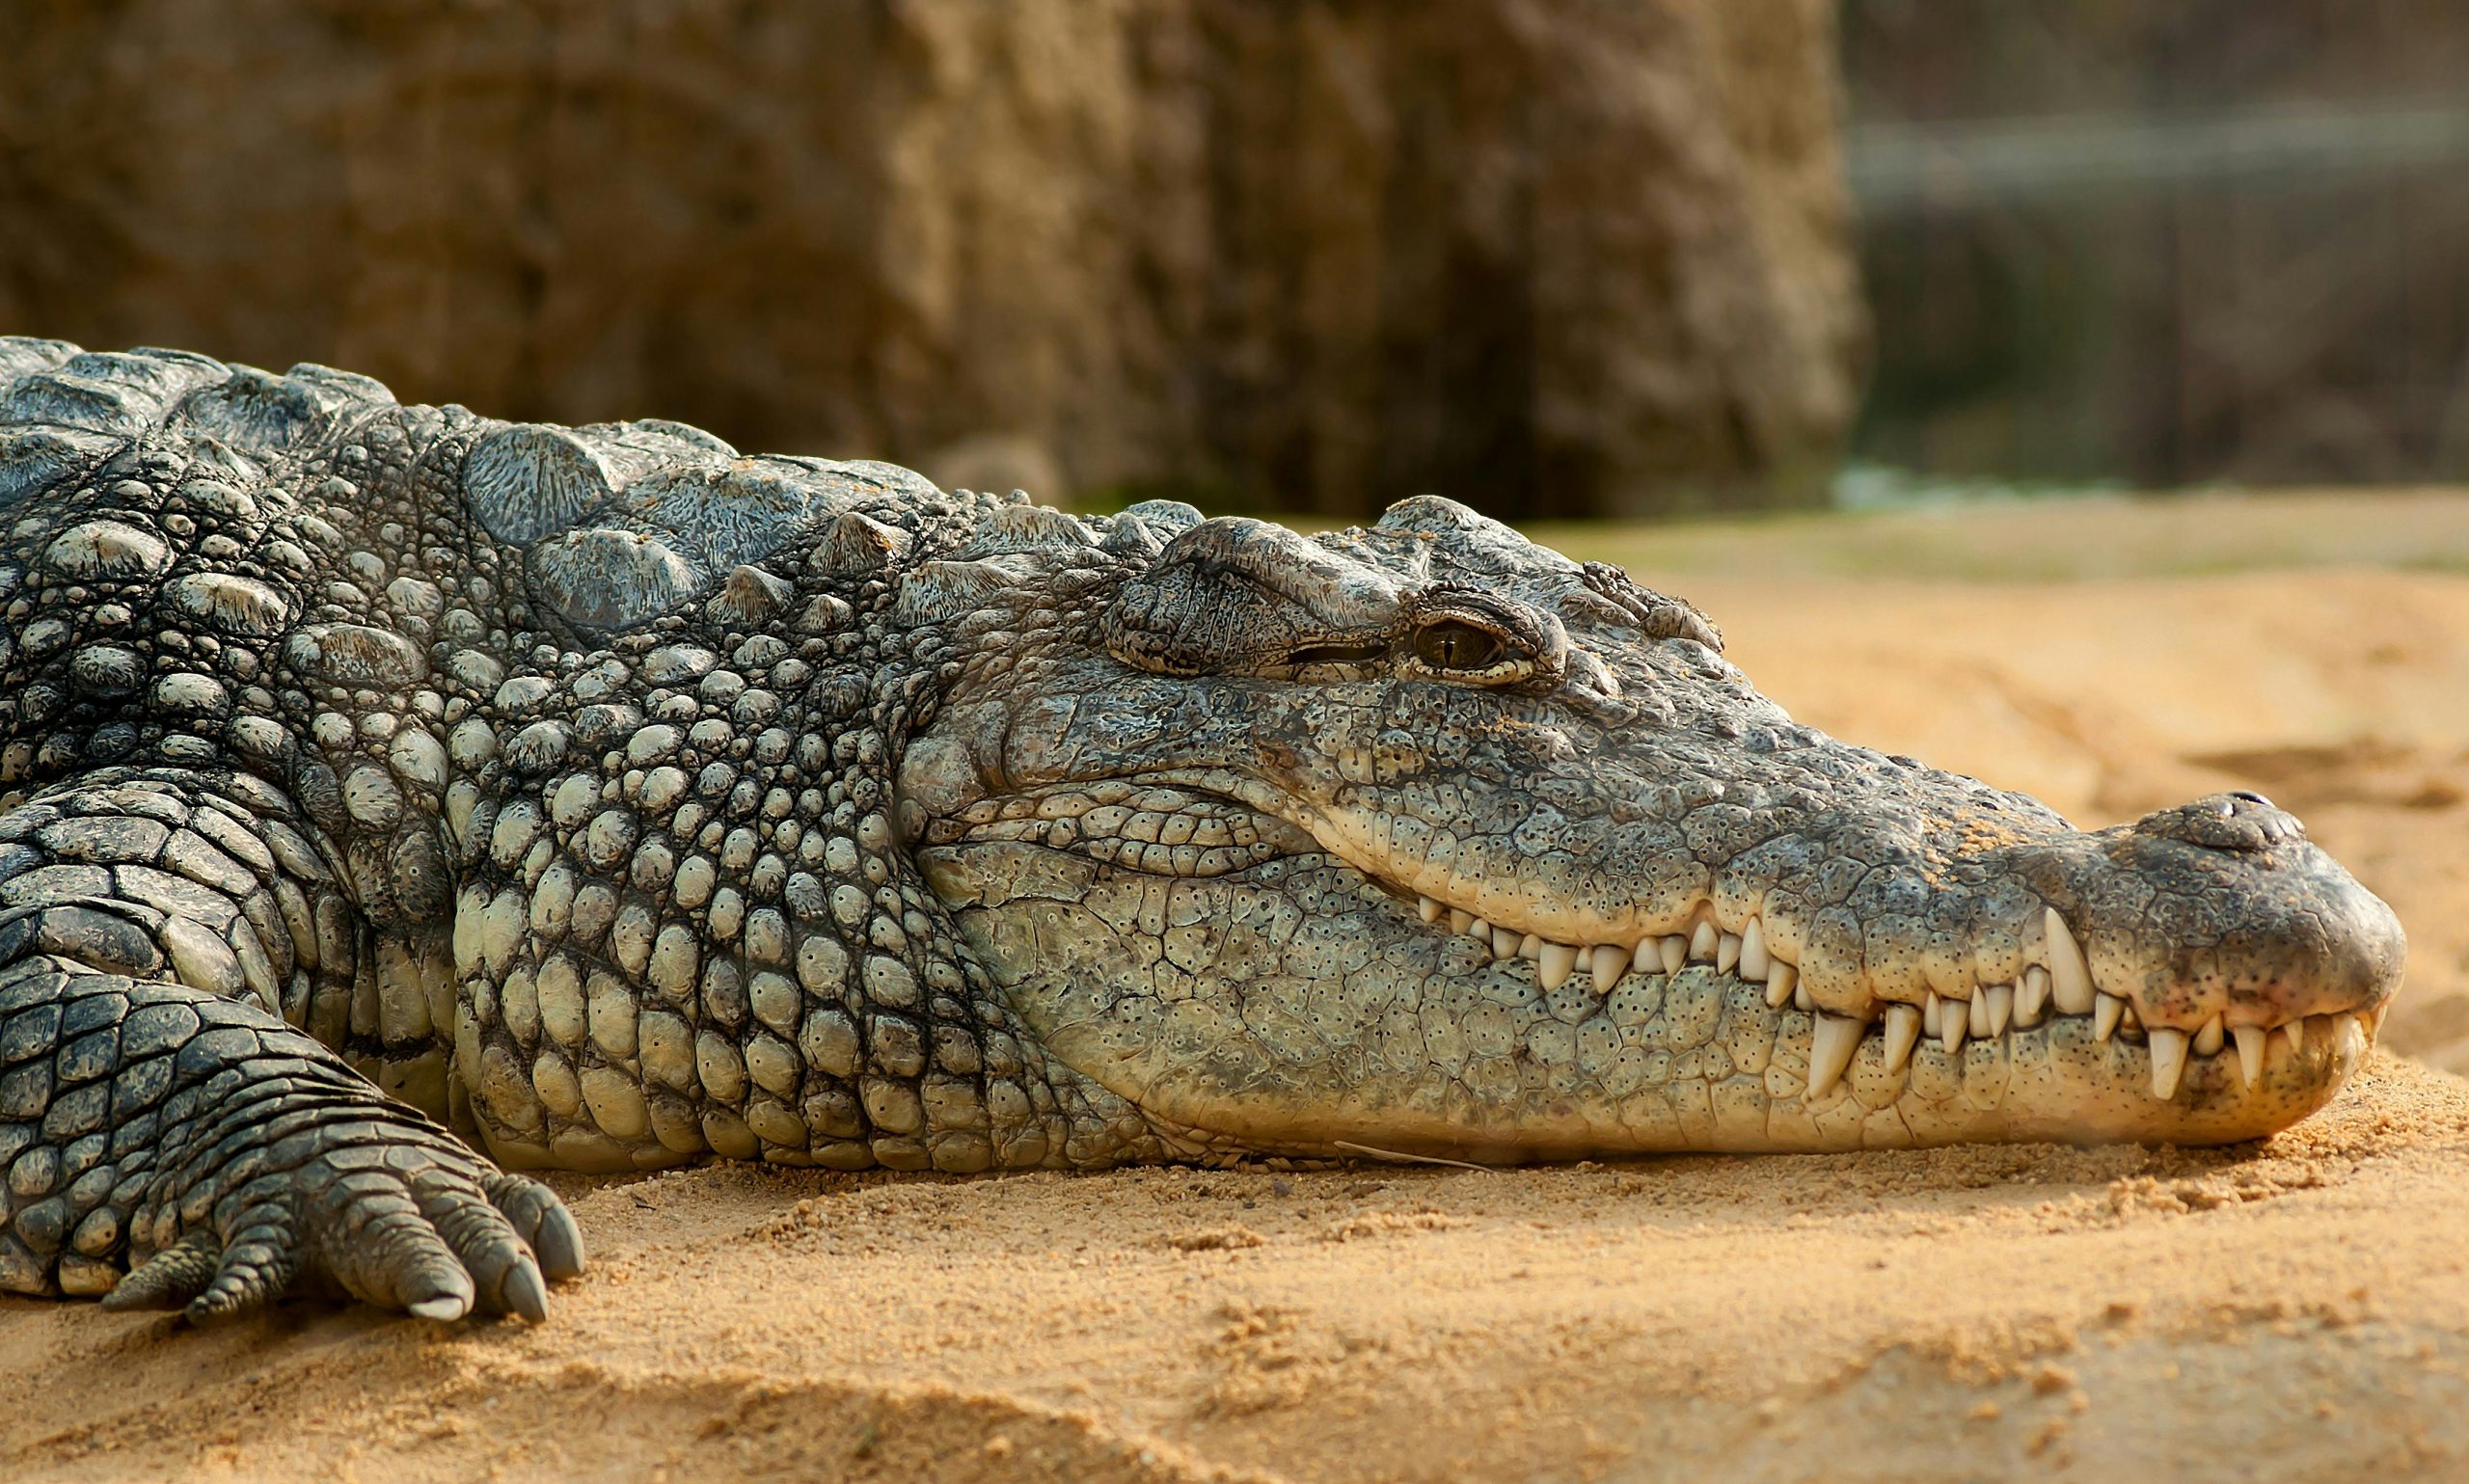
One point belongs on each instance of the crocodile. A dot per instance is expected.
(399, 799)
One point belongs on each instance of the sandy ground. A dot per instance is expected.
(2297, 1310)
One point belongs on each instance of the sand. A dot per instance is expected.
(2295, 1310)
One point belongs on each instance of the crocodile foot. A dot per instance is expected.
(393, 1214)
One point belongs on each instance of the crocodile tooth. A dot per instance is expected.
(1559, 960)
(1462, 921)
(2210, 1037)
(1530, 947)
(2348, 1036)
(2070, 978)
(1976, 1022)
(1952, 1023)
(1702, 943)
(1674, 950)
(1903, 1032)
(1800, 1000)
(1504, 942)
(2031, 996)
(2296, 1029)
(1931, 1010)
(2105, 1019)
(1755, 963)
(2001, 1007)
(2372, 1019)
(1429, 909)
(1830, 1050)
(1607, 962)
(2168, 1061)
(2250, 1052)
(1726, 953)
(1781, 979)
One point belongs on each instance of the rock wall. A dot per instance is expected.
(1546, 256)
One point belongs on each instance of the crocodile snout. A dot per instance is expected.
(2223, 908)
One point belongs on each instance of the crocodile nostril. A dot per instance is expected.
(2240, 820)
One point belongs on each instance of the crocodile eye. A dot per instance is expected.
(1470, 636)
(1453, 645)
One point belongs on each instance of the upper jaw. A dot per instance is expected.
(2203, 927)
(2058, 981)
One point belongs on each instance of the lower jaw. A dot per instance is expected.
(1744, 1090)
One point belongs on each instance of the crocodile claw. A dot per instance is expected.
(172, 1278)
(421, 1226)
(543, 1222)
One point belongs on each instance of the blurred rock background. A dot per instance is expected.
(1550, 257)
(2163, 244)
(1554, 257)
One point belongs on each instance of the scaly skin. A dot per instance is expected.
(615, 801)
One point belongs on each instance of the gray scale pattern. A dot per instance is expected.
(381, 785)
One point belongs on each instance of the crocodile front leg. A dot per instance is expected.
(157, 1114)
(225, 1160)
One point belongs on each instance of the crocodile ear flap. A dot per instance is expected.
(1656, 615)
(1234, 594)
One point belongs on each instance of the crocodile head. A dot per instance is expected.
(1424, 839)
